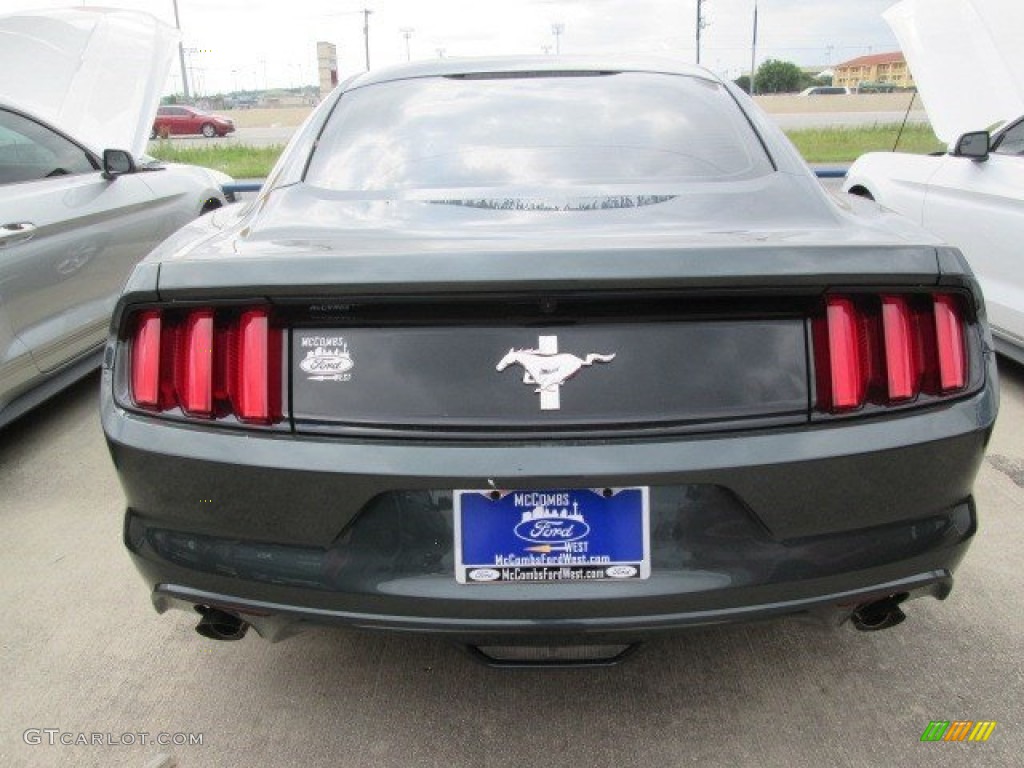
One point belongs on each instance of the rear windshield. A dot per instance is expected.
(624, 128)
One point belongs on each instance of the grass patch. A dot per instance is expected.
(844, 145)
(817, 145)
(236, 160)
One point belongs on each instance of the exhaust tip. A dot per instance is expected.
(881, 614)
(216, 624)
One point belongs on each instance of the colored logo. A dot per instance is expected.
(958, 730)
(542, 525)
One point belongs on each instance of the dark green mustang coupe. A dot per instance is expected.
(546, 352)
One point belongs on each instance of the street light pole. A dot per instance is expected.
(753, 54)
(366, 34)
(181, 54)
(700, 26)
(407, 33)
(557, 30)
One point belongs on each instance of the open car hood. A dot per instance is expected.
(967, 60)
(94, 73)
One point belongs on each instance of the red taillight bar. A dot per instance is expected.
(949, 335)
(193, 364)
(900, 360)
(207, 363)
(253, 392)
(844, 346)
(145, 360)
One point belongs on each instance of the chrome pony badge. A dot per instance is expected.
(549, 369)
(329, 360)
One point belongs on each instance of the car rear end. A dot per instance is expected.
(573, 417)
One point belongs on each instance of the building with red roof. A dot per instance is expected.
(877, 69)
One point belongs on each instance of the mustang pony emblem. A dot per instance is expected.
(549, 369)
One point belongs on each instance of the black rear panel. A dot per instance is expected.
(503, 369)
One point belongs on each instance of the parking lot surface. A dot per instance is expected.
(84, 657)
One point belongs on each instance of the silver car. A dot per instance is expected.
(71, 229)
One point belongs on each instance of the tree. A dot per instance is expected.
(743, 81)
(776, 76)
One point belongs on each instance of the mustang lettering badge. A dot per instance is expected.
(548, 369)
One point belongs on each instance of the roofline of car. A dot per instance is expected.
(526, 64)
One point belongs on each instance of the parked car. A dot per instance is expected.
(79, 204)
(826, 90)
(973, 195)
(546, 349)
(179, 120)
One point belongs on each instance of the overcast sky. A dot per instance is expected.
(257, 43)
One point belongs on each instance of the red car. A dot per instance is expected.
(179, 120)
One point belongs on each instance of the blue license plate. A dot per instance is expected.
(590, 534)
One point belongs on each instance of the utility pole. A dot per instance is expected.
(753, 53)
(700, 26)
(366, 34)
(557, 30)
(181, 54)
(407, 33)
(440, 52)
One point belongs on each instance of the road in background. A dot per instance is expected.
(83, 652)
(267, 136)
(269, 127)
(801, 120)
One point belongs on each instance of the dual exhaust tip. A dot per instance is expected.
(216, 624)
(881, 614)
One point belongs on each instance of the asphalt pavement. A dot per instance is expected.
(85, 658)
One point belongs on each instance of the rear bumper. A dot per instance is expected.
(276, 621)
(289, 530)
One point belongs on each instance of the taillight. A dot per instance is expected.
(145, 360)
(889, 349)
(949, 335)
(193, 363)
(210, 364)
(256, 384)
(844, 349)
(901, 362)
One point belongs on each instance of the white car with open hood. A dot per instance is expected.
(80, 204)
(969, 68)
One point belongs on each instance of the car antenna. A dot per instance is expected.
(905, 116)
